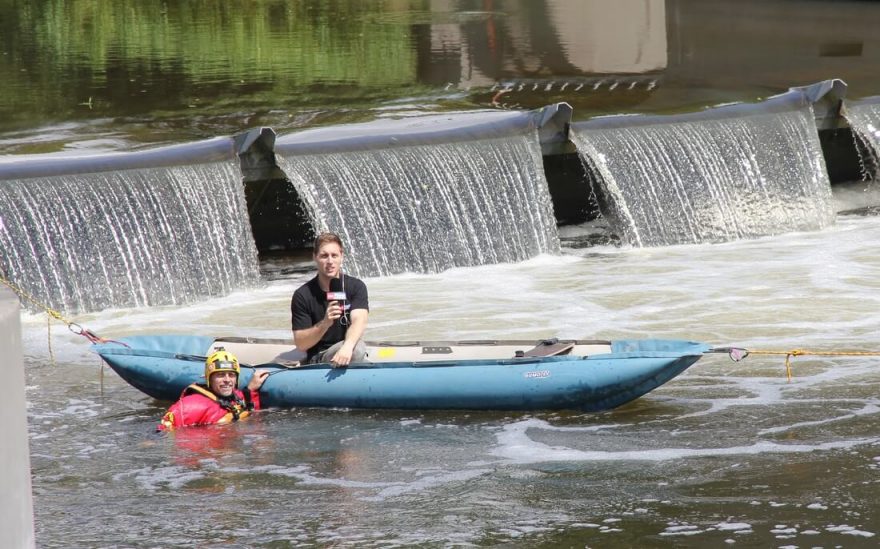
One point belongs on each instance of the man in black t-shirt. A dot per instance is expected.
(329, 312)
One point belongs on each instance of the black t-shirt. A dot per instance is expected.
(309, 306)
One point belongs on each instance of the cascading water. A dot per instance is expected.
(428, 208)
(864, 119)
(151, 236)
(709, 180)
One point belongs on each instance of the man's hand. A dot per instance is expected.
(342, 357)
(334, 311)
(257, 380)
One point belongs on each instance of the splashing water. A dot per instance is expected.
(430, 208)
(865, 122)
(710, 180)
(158, 236)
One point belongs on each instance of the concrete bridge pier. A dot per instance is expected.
(17, 518)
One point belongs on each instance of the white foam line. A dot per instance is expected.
(771, 391)
(867, 410)
(174, 477)
(515, 446)
(543, 424)
(302, 473)
(428, 482)
(719, 405)
(385, 489)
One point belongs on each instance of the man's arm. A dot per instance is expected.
(254, 385)
(309, 337)
(352, 336)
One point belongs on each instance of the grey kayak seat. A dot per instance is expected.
(548, 347)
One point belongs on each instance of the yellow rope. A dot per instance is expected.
(52, 313)
(26, 296)
(803, 352)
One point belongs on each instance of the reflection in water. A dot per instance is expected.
(546, 40)
(716, 46)
(150, 71)
(136, 57)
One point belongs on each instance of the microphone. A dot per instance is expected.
(337, 290)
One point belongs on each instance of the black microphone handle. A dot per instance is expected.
(335, 285)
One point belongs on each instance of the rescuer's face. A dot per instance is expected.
(223, 383)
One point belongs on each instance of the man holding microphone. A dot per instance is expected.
(329, 312)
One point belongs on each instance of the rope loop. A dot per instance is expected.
(88, 334)
(737, 354)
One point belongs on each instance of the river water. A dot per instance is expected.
(728, 453)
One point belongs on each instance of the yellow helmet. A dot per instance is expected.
(221, 361)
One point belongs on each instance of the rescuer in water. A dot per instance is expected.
(219, 400)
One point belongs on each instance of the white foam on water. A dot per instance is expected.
(849, 531)
(514, 445)
(682, 530)
(382, 490)
(173, 477)
(735, 527)
(81, 408)
(428, 482)
(303, 474)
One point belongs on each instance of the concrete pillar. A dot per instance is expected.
(17, 518)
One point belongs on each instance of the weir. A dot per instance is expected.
(421, 193)
(724, 174)
(89, 233)
(427, 195)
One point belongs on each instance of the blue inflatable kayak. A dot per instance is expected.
(477, 375)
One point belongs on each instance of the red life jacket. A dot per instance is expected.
(198, 405)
